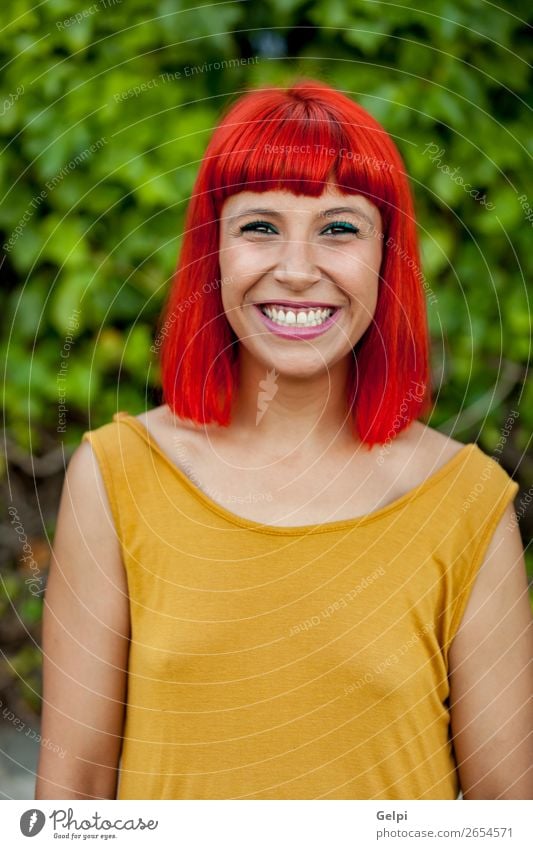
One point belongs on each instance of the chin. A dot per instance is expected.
(297, 365)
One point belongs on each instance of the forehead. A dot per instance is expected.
(284, 201)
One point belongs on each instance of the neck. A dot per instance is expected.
(285, 415)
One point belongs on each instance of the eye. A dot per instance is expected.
(343, 227)
(254, 226)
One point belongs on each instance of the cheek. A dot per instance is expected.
(362, 284)
(243, 265)
(360, 272)
(233, 291)
(363, 258)
(370, 258)
(238, 259)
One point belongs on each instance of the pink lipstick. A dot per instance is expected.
(295, 332)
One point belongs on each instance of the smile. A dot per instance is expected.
(301, 317)
(297, 323)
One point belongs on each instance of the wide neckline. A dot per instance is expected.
(322, 527)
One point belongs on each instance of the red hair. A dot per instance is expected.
(388, 376)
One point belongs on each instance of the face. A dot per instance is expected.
(301, 275)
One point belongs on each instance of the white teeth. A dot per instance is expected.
(303, 318)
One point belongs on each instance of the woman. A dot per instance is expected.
(280, 583)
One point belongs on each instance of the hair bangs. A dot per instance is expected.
(303, 152)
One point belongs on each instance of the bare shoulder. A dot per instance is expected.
(164, 426)
(85, 500)
(422, 450)
(162, 417)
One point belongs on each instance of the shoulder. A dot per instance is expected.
(86, 506)
(418, 452)
(157, 417)
(166, 428)
(162, 417)
(426, 442)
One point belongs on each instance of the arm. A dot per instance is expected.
(491, 675)
(85, 643)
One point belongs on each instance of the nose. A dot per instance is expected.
(295, 267)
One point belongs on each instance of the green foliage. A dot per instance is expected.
(102, 171)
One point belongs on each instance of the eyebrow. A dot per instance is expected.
(323, 214)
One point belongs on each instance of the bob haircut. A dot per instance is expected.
(388, 374)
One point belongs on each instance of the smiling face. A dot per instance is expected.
(312, 263)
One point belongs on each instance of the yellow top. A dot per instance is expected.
(303, 662)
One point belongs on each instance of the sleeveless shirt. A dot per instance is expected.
(302, 662)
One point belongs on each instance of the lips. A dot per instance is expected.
(295, 305)
(294, 331)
